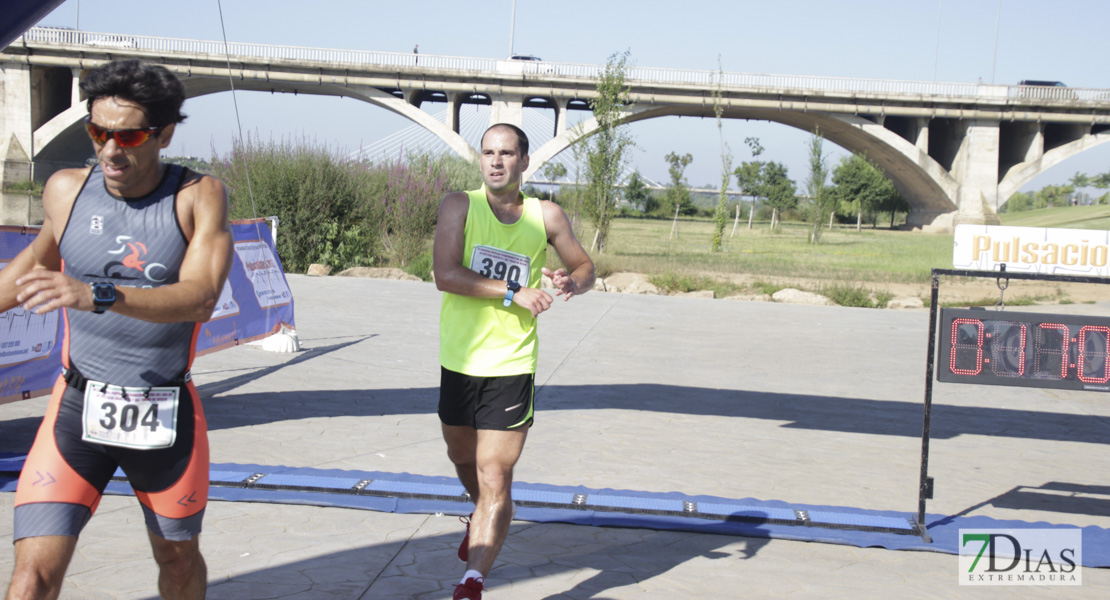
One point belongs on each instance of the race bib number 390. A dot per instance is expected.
(141, 418)
(496, 263)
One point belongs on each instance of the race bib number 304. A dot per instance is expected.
(141, 418)
(496, 263)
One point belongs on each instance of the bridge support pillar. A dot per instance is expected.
(560, 117)
(507, 109)
(975, 169)
(15, 123)
(453, 111)
(922, 138)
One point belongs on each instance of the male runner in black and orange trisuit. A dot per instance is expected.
(135, 252)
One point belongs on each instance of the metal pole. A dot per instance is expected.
(512, 27)
(925, 484)
(997, 19)
(936, 54)
(77, 25)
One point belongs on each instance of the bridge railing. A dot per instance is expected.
(238, 51)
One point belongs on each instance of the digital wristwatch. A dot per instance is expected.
(104, 296)
(511, 288)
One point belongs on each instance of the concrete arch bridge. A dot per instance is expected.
(955, 151)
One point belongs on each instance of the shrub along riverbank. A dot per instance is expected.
(347, 213)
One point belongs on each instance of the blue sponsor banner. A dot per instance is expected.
(29, 343)
(256, 302)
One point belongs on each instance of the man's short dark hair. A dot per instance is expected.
(521, 137)
(152, 87)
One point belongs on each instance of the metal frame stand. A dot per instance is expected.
(925, 485)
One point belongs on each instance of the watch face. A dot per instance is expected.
(104, 292)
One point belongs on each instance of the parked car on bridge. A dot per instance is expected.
(1040, 89)
(529, 68)
(1042, 83)
(113, 41)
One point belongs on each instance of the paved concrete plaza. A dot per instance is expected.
(805, 404)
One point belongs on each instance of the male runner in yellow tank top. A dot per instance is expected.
(490, 250)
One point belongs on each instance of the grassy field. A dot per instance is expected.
(871, 255)
(1066, 217)
(847, 265)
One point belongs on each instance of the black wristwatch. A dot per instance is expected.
(104, 296)
(511, 288)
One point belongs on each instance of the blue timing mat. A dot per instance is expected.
(407, 493)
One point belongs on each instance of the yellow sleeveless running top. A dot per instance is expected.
(480, 336)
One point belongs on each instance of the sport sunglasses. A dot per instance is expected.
(125, 138)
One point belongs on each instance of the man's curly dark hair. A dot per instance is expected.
(152, 87)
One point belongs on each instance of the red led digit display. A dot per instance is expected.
(1025, 349)
(1008, 340)
(1093, 366)
(1050, 351)
(967, 346)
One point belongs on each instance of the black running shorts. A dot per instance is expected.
(502, 403)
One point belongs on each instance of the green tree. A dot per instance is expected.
(554, 171)
(607, 147)
(678, 193)
(578, 152)
(821, 201)
(1081, 180)
(778, 189)
(720, 215)
(636, 191)
(1053, 195)
(892, 200)
(1019, 202)
(749, 176)
(1101, 181)
(861, 188)
(193, 162)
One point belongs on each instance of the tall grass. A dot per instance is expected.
(335, 211)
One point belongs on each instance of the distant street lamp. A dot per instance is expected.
(512, 27)
(997, 20)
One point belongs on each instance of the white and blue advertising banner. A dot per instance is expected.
(256, 302)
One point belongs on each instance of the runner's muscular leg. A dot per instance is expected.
(496, 455)
(40, 566)
(462, 449)
(182, 573)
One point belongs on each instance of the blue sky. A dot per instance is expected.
(945, 40)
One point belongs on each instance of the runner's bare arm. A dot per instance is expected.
(42, 254)
(207, 261)
(204, 269)
(578, 276)
(447, 253)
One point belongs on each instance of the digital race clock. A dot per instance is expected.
(1026, 349)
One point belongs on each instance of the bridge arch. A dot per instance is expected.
(927, 186)
(1024, 172)
(62, 141)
